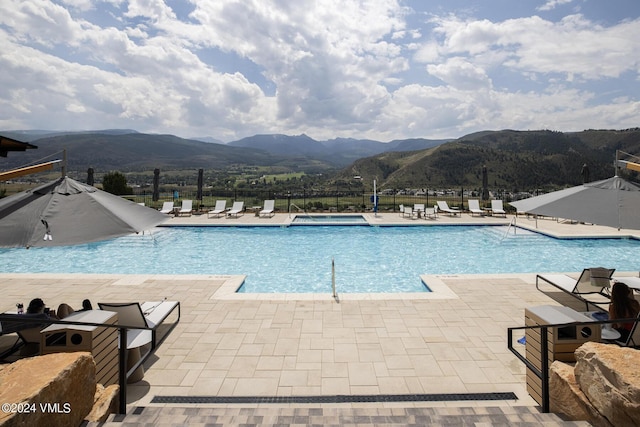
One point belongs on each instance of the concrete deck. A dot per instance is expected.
(227, 344)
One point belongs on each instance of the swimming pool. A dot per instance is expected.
(298, 259)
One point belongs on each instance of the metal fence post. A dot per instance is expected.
(122, 377)
(544, 359)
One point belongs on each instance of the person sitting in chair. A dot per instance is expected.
(623, 306)
(37, 305)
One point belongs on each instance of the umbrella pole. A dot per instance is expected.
(64, 163)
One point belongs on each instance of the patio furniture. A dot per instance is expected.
(497, 208)
(594, 282)
(167, 208)
(236, 210)
(430, 213)
(100, 341)
(27, 333)
(444, 207)
(268, 209)
(186, 208)
(144, 318)
(218, 209)
(474, 208)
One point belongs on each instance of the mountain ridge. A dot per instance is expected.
(514, 159)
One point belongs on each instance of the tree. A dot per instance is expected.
(116, 183)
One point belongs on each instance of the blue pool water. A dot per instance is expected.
(298, 259)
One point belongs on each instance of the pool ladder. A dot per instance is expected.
(293, 205)
(512, 223)
(333, 280)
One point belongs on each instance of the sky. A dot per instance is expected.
(378, 69)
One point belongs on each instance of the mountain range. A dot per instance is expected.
(513, 159)
(127, 150)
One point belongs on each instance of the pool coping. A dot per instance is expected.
(551, 227)
(438, 290)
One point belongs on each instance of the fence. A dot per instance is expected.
(308, 200)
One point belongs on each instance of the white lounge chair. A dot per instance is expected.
(186, 208)
(474, 207)
(146, 319)
(401, 210)
(497, 208)
(630, 281)
(444, 207)
(593, 281)
(237, 209)
(218, 209)
(167, 208)
(268, 209)
(407, 212)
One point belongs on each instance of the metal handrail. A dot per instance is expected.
(543, 373)
(124, 374)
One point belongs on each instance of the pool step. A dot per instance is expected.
(179, 416)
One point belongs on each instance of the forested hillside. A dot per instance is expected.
(515, 160)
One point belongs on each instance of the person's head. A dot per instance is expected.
(86, 305)
(36, 306)
(620, 292)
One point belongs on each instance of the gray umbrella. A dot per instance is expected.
(67, 212)
(613, 202)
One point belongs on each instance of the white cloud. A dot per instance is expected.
(572, 46)
(460, 74)
(552, 4)
(364, 69)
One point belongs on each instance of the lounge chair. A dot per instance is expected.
(142, 338)
(633, 340)
(407, 212)
(497, 208)
(237, 209)
(145, 319)
(401, 210)
(167, 208)
(218, 209)
(474, 208)
(27, 333)
(630, 281)
(594, 282)
(186, 208)
(444, 207)
(268, 209)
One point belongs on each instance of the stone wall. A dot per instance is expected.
(603, 387)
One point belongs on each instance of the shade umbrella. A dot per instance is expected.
(67, 212)
(90, 176)
(613, 202)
